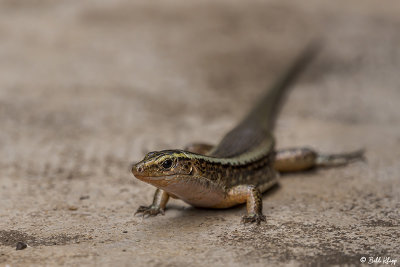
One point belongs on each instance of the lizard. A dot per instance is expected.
(241, 167)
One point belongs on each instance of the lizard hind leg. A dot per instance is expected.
(299, 159)
(332, 160)
(199, 148)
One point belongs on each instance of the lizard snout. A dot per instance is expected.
(137, 168)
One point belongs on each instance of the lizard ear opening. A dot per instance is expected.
(187, 168)
(191, 170)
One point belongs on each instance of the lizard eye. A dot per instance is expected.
(167, 164)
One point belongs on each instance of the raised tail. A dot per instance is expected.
(265, 112)
(259, 123)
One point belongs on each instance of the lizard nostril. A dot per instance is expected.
(136, 168)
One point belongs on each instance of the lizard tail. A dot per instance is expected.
(257, 126)
(265, 112)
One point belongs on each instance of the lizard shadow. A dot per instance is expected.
(189, 215)
(187, 218)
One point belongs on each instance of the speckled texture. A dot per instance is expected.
(87, 87)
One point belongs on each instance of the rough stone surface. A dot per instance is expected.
(87, 87)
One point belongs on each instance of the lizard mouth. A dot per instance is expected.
(149, 177)
(162, 182)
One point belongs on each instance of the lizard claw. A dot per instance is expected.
(251, 218)
(148, 211)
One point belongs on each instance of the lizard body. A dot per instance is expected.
(240, 168)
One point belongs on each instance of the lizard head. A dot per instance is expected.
(181, 175)
(161, 168)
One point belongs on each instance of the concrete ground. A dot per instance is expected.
(87, 87)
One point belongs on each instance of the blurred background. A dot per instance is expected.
(87, 87)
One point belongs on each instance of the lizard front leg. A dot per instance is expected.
(253, 198)
(160, 200)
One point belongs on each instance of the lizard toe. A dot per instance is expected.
(253, 218)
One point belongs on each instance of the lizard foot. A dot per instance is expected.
(148, 211)
(251, 218)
